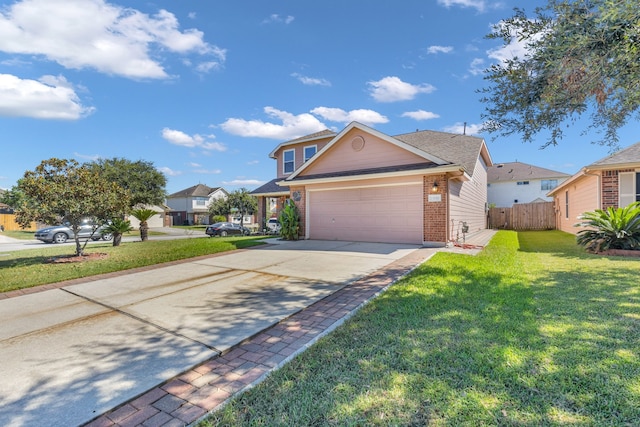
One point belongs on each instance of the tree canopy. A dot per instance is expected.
(238, 202)
(583, 58)
(145, 183)
(61, 190)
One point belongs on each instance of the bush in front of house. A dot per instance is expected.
(289, 220)
(611, 228)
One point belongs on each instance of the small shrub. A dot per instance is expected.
(611, 229)
(289, 220)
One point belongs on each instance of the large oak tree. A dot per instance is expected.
(583, 59)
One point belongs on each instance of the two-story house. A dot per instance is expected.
(191, 205)
(517, 182)
(360, 184)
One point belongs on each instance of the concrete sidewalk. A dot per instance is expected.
(84, 348)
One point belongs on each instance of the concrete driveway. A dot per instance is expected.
(72, 353)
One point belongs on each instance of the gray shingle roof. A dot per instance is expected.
(457, 149)
(199, 190)
(628, 155)
(270, 188)
(518, 171)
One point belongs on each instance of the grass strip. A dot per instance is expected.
(27, 268)
(533, 331)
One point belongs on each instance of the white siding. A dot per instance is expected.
(505, 194)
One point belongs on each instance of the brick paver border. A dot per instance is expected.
(192, 395)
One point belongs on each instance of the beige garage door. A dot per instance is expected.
(376, 214)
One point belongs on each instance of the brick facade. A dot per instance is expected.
(610, 188)
(435, 213)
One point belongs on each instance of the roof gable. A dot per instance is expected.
(351, 136)
(324, 134)
(199, 190)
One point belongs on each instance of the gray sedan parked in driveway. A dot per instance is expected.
(62, 233)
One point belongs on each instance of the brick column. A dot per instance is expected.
(435, 211)
(609, 189)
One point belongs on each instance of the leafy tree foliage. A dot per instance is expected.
(583, 58)
(238, 202)
(60, 190)
(289, 220)
(143, 215)
(145, 183)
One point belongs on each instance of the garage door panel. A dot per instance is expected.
(374, 214)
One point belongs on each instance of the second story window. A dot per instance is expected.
(201, 201)
(309, 152)
(548, 184)
(288, 161)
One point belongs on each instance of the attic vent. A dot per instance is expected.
(357, 143)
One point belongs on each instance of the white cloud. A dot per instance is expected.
(168, 171)
(439, 49)
(195, 165)
(291, 126)
(91, 157)
(367, 117)
(311, 81)
(96, 34)
(392, 89)
(480, 5)
(461, 128)
(253, 162)
(516, 48)
(477, 66)
(52, 97)
(277, 19)
(420, 115)
(178, 137)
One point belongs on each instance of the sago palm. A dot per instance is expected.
(117, 227)
(143, 216)
(611, 228)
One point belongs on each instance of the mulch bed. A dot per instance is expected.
(621, 252)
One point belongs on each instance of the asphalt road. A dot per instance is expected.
(8, 244)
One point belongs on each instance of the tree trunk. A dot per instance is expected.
(144, 231)
(117, 238)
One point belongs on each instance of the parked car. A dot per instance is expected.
(224, 229)
(62, 233)
(273, 225)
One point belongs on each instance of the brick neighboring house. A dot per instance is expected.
(362, 185)
(517, 182)
(191, 205)
(613, 181)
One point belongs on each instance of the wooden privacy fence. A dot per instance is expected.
(525, 216)
(9, 223)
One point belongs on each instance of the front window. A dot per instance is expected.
(629, 188)
(309, 151)
(548, 184)
(289, 161)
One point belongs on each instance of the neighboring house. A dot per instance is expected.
(613, 181)
(191, 205)
(163, 218)
(517, 182)
(362, 185)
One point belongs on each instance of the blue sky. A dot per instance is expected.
(205, 90)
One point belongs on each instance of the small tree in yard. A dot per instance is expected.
(143, 216)
(239, 201)
(611, 229)
(289, 220)
(61, 190)
(117, 227)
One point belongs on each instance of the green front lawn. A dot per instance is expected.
(531, 332)
(27, 268)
